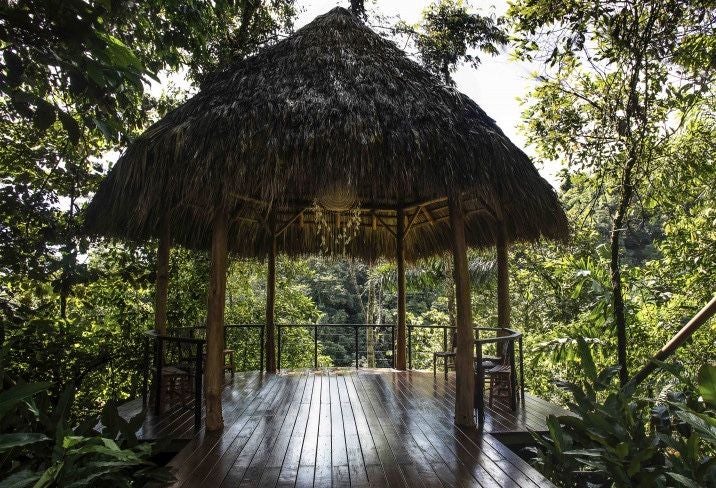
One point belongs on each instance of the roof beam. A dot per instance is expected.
(385, 225)
(412, 220)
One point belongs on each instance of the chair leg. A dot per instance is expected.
(492, 390)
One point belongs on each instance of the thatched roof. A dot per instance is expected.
(332, 106)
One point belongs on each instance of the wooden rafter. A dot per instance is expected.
(412, 220)
(298, 216)
(387, 227)
(428, 215)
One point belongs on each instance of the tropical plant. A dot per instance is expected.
(615, 437)
(40, 448)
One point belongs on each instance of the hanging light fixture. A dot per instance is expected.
(337, 215)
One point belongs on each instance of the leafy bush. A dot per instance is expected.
(626, 440)
(40, 449)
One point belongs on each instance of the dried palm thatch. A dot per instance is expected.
(333, 106)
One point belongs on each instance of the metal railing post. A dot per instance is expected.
(355, 330)
(199, 373)
(445, 348)
(145, 373)
(261, 348)
(158, 366)
(522, 374)
(480, 386)
(513, 374)
(392, 342)
(410, 347)
(315, 347)
(278, 357)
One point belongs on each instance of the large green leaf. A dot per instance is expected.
(683, 480)
(585, 355)
(22, 479)
(704, 424)
(49, 477)
(16, 394)
(119, 54)
(707, 383)
(19, 439)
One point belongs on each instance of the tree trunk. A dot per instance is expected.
(358, 8)
(270, 308)
(162, 280)
(214, 374)
(464, 365)
(634, 143)
(400, 362)
(616, 279)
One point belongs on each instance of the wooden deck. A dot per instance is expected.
(350, 428)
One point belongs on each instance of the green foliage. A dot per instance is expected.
(616, 439)
(618, 84)
(88, 62)
(72, 92)
(73, 310)
(40, 448)
(449, 33)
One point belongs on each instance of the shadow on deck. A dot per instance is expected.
(350, 428)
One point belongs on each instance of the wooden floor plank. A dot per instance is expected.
(354, 429)
(354, 453)
(474, 444)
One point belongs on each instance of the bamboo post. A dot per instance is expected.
(215, 323)
(464, 366)
(162, 280)
(708, 311)
(400, 258)
(503, 283)
(270, 306)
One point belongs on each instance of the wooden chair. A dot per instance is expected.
(499, 379)
(447, 356)
(177, 386)
(231, 366)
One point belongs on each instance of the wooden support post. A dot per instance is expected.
(270, 306)
(162, 280)
(400, 258)
(503, 283)
(464, 366)
(215, 323)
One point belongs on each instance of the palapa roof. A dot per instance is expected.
(333, 108)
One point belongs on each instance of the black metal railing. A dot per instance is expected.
(244, 339)
(344, 344)
(307, 345)
(322, 345)
(176, 362)
(339, 345)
